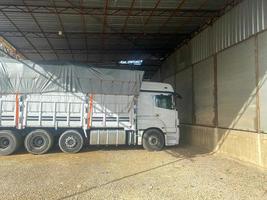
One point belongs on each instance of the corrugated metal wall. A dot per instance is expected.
(202, 45)
(219, 72)
(245, 20)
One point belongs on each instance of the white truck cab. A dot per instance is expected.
(157, 115)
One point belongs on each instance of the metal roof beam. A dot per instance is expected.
(78, 35)
(226, 7)
(149, 17)
(105, 16)
(191, 18)
(152, 12)
(161, 13)
(84, 27)
(62, 26)
(115, 11)
(127, 18)
(104, 23)
(24, 36)
(10, 50)
(223, 9)
(181, 3)
(122, 36)
(40, 28)
(192, 33)
(100, 50)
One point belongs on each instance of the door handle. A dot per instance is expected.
(157, 115)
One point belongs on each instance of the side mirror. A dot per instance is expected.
(178, 96)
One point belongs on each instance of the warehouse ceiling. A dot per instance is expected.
(103, 32)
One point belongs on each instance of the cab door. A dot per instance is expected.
(165, 111)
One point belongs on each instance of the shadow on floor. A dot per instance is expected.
(177, 152)
(186, 151)
(56, 149)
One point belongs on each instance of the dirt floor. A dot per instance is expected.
(129, 173)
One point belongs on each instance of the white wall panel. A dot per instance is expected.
(236, 87)
(228, 37)
(170, 80)
(164, 70)
(184, 88)
(156, 76)
(262, 43)
(204, 92)
(184, 55)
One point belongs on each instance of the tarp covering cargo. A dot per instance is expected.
(28, 77)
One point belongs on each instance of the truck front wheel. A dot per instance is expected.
(38, 142)
(71, 141)
(153, 140)
(9, 142)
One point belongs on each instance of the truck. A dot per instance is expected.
(73, 106)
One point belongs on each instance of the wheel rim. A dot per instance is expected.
(38, 141)
(70, 142)
(153, 140)
(4, 142)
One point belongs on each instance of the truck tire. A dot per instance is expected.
(38, 142)
(153, 140)
(9, 142)
(71, 141)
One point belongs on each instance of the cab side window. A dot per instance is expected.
(164, 101)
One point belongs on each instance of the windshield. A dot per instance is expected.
(164, 101)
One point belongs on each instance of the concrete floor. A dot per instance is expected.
(129, 173)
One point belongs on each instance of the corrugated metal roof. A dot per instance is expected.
(98, 31)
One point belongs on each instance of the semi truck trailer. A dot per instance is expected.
(42, 106)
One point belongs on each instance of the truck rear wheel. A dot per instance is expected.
(39, 142)
(71, 141)
(153, 140)
(9, 142)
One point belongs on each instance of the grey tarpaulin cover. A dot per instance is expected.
(28, 77)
